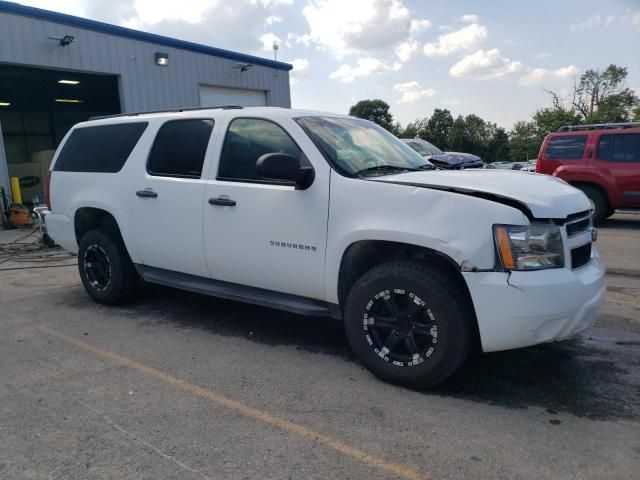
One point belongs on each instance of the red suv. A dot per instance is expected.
(601, 160)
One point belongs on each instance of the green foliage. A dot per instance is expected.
(601, 96)
(437, 129)
(375, 110)
(498, 148)
(524, 141)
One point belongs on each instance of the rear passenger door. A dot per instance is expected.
(619, 154)
(168, 197)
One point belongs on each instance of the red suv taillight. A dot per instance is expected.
(47, 187)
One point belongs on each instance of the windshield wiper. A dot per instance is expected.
(386, 168)
(426, 166)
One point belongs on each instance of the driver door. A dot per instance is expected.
(263, 233)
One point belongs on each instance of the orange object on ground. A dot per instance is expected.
(19, 217)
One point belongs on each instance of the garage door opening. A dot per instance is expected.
(211, 96)
(37, 108)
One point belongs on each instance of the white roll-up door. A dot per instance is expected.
(215, 96)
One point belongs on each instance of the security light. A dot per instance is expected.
(162, 59)
(66, 40)
(5, 104)
(69, 82)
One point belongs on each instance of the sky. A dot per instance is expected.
(492, 58)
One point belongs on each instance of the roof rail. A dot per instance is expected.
(169, 110)
(598, 126)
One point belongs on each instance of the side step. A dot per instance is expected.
(239, 293)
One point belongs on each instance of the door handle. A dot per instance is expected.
(226, 202)
(146, 193)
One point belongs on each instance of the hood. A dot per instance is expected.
(454, 160)
(543, 196)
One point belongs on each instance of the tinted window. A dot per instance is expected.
(99, 149)
(247, 140)
(624, 148)
(179, 148)
(568, 147)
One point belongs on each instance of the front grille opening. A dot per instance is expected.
(581, 256)
(578, 227)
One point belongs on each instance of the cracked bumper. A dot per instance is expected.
(536, 307)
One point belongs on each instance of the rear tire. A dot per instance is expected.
(106, 270)
(429, 337)
(601, 206)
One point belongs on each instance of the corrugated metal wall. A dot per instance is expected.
(143, 84)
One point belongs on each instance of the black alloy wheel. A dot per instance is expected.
(400, 327)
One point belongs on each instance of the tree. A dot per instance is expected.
(498, 148)
(601, 96)
(458, 136)
(524, 141)
(375, 110)
(438, 128)
(416, 129)
(551, 119)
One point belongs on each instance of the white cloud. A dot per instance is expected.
(357, 25)
(635, 19)
(469, 18)
(300, 70)
(271, 19)
(485, 65)
(463, 39)
(593, 22)
(418, 26)
(268, 39)
(538, 76)
(364, 67)
(272, 3)
(405, 50)
(411, 91)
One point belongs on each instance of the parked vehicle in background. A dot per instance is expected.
(602, 160)
(444, 160)
(327, 215)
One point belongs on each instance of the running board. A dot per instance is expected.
(240, 293)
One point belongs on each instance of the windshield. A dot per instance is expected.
(423, 147)
(354, 146)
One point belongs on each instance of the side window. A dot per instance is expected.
(104, 148)
(247, 140)
(622, 148)
(566, 147)
(179, 148)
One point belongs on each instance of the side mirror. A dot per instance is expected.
(281, 166)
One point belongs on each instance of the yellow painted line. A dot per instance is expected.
(281, 423)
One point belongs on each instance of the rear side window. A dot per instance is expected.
(99, 149)
(623, 148)
(566, 147)
(179, 148)
(247, 140)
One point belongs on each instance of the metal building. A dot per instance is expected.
(57, 70)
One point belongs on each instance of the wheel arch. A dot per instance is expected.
(595, 186)
(362, 255)
(91, 218)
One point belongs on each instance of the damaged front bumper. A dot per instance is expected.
(519, 309)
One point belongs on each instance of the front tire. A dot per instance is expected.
(105, 268)
(409, 323)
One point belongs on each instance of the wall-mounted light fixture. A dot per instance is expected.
(5, 104)
(67, 100)
(64, 41)
(69, 82)
(162, 59)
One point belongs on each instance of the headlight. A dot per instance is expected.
(533, 247)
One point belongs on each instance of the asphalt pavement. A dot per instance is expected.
(178, 385)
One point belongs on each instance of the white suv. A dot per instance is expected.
(328, 215)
